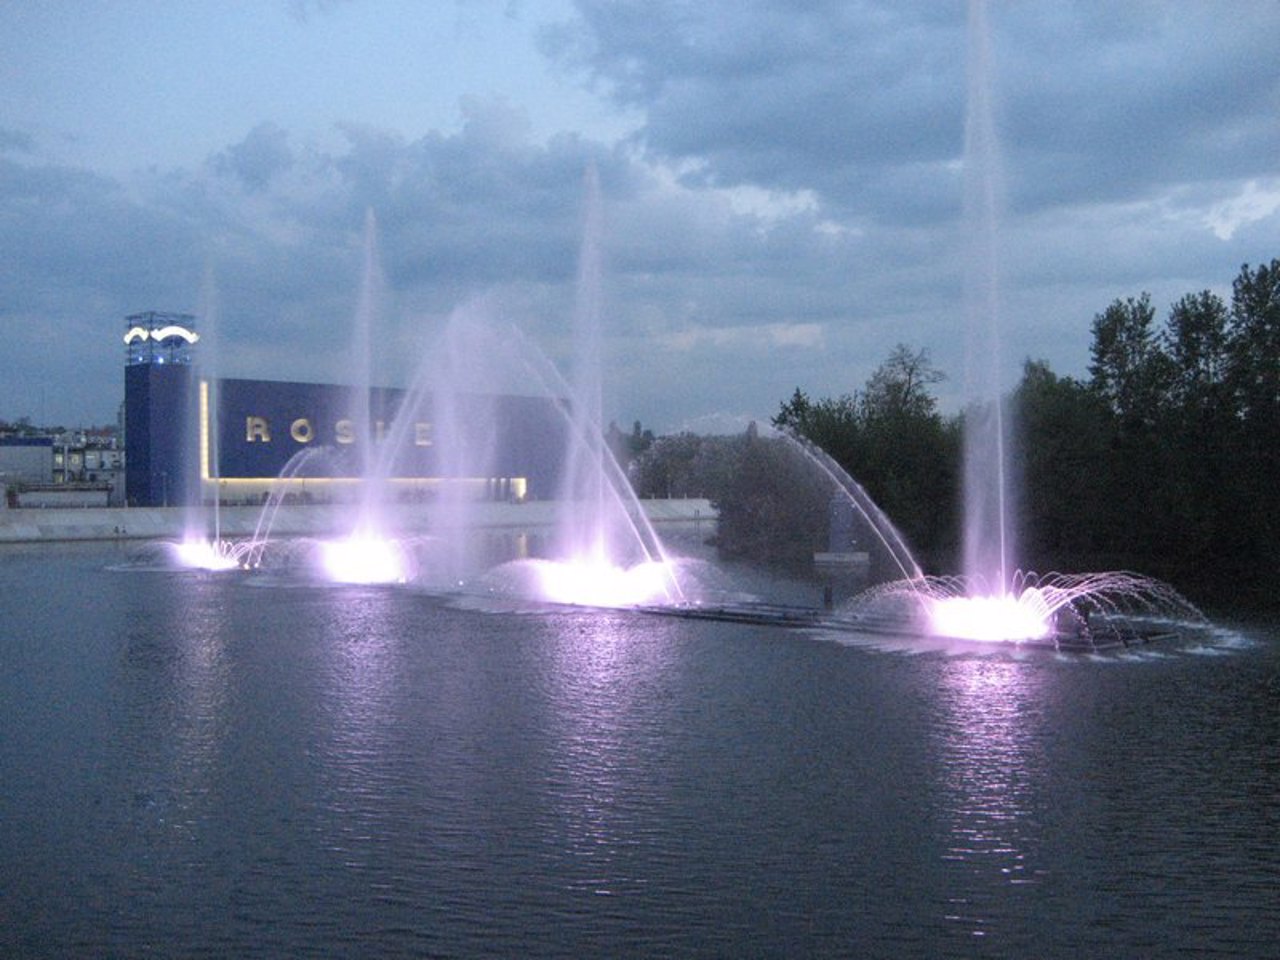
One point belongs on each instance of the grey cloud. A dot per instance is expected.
(1102, 108)
(72, 232)
(1101, 100)
(15, 141)
(859, 104)
(821, 97)
(77, 254)
(257, 159)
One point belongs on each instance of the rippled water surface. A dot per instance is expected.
(196, 765)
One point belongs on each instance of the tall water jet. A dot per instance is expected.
(362, 384)
(368, 554)
(583, 526)
(202, 544)
(208, 368)
(609, 552)
(988, 540)
(993, 600)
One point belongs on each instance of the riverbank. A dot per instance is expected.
(158, 523)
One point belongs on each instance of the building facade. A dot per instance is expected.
(192, 438)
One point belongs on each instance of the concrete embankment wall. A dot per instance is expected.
(150, 523)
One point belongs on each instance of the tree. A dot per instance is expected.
(1199, 426)
(899, 387)
(665, 468)
(1196, 342)
(1254, 383)
(891, 439)
(1128, 369)
(626, 448)
(773, 506)
(834, 424)
(1255, 343)
(1064, 445)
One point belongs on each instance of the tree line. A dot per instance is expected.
(1165, 459)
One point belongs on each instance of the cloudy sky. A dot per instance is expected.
(781, 182)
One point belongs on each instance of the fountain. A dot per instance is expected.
(600, 549)
(370, 552)
(606, 553)
(993, 601)
(202, 545)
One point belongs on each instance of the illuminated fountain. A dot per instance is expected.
(371, 552)
(601, 549)
(202, 546)
(598, 547)
(605, 553)
(160, 350)
(990, 607)
(993, 601)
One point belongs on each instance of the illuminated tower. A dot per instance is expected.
(160, 461)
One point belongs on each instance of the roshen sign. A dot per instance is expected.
(303, 430)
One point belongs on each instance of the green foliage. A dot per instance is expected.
(1196, 343)
(1166, 459)
(1254, 345)
(891, 439)
(1129, 370)
(773, 505)
(627, 447)
(681, 465)
(1066, 439)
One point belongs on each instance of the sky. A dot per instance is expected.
(781, 184)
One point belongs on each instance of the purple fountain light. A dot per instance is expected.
(600, 550)
(606, 553)
(993, 600)
(370, 552)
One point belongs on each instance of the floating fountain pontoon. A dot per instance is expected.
(1078, 613)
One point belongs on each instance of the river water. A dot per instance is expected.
(212, 765)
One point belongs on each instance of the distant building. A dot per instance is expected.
(159, 409)
(91, 461)
(44, 471)
(191, 438)
(26, 460)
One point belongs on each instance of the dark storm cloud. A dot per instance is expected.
(864, 102)
(77, 254)
(829, 96)
(1104, 101)
(483, 206)
(278, 225)
(70, 232)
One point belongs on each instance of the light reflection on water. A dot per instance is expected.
(192, 765)
(174, 679)
(991, 777)
(602, 745)
(355, 707)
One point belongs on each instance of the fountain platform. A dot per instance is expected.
(1108, 634)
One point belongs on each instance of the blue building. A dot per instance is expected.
(192, 439)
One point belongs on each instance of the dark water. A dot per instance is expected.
(198, 766)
